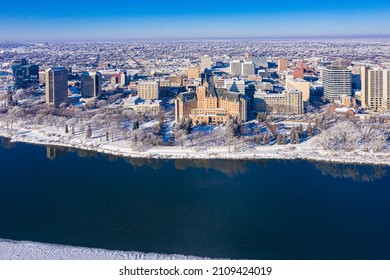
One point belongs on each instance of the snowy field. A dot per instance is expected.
(25, 250)
(308, 150)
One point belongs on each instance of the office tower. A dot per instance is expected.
(91, 84)
(235, 67)
(165, 88)
(375, 88)
(193, 72)
(119, 78)
(205, 62)
(337, 82)
(56, 86)
(299, 84)
(247, 68)
(123, 78)
(235, 85)
(42, 76)
(356, 81)
(25, 74)
(260, 62)
(282, 64)
(148, 90)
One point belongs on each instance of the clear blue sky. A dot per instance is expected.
(43, 20)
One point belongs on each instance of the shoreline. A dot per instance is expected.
(304, 151)
(29, 250)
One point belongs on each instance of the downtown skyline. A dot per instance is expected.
(88, 20)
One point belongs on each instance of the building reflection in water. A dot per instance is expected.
(357, 173)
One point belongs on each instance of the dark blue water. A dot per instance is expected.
(225, 209)
(2, 73)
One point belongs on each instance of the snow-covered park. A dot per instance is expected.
(123, 132)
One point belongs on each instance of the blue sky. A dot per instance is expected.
(57, 20)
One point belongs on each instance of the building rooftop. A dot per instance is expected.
(59, 69)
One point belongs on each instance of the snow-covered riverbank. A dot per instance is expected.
(306, 151)
(25, 250)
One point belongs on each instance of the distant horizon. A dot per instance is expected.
(27, 21)
(254, 38)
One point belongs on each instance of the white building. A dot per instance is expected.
(235, 67)
(235, 85)
(247, 68)
(205, 62)
(337, 82)
(141, 106)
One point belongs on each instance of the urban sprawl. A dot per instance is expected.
(322, 99)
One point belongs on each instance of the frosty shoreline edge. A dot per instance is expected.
(304, 151)
(28, 250)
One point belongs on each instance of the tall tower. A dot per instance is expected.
(91, 84)
(247, 68)
(193, 72)
(337, 82)
(365, 86)
(205, 62)
(235, 67)
(25, 74)
(56, 86)
(282, 64)
(375, 88)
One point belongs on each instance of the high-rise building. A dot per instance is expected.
(260, 62)
(25, 74)
(299, 84)
(205, 62)
(235, 67)
(119, 78)
(56, 86)
(42, 76)
(91, 84)
(247, 68)
(149, 90)
(165, 88)
(193, 72)
(282, 64)
(337, 82)
(375, 88)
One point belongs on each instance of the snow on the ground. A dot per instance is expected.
(307, 150)
(26, 250)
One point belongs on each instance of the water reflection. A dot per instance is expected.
(356, 173)
(231, 168)
(6, 143)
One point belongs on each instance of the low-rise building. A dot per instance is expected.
(287, 102)
(141, 106)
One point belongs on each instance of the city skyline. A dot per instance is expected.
(50, 21)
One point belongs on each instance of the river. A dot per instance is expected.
(264, 209)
